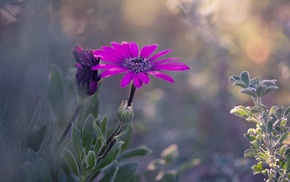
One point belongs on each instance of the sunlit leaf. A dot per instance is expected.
(240, 111)
(250, 153)
(170, 153)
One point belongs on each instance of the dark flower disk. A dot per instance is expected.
(125, 58)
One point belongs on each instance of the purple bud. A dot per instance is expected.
(86, 78)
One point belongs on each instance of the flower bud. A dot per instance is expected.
(125, 113)
(86, 79)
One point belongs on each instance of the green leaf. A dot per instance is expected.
(248, 137)
(126, 171)
(240, 111)
(98, 145)
(268, 82)
(91, 160)
(270, 89)
(104, 126)
(279, 113)
(188, 165)
(288, 164)
(170, 153)
(261, 90)
(282, 150)
(283, 137)
(65, 167)
(98, 130)
(240, 83)
(88, 132)
(255, 144)
(48, 131)
(283, 122)
(249, 91)
(133, 152)
(111, 156)
(21, 125)
(40, 166)
(35, 117)
(55, 89)
(250, 152)
(255, 82)
(171, 176)
(269, 127)
(110, 173)
(286, 112)
(245, 77)
(234, 78)
(70, 160)
(273, 110)
(29, 171)
(77, 142)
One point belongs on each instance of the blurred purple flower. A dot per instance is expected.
(86, 78)
(125, 58)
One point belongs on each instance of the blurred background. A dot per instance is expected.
(216, 38)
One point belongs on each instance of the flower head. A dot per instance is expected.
(86, 78)
(125, 58)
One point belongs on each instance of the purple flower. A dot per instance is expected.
(86, 78)
(125, 58)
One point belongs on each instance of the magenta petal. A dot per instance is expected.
(106, 56)
(118, 47)
(112, 71)
(165, 60)
(176, 66)
(126, 48)
(144, 77)
(134, 49)
(127, 79)
(161, 76)
(112, 52)
(147, 50)
(103, 66)
(137, 81)
(160, 54)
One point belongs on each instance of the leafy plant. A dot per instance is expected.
(268, 139)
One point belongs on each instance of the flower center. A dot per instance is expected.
(137, 64)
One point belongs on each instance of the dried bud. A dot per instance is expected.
(125, 113)
(86, 78)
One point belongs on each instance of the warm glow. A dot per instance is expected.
(257, 48)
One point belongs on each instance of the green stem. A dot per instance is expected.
(80, 103)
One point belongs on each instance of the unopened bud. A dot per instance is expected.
(125, 113)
